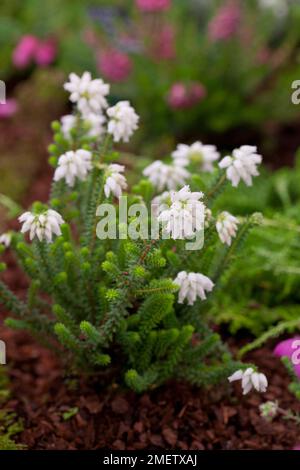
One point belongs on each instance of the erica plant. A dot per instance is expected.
(126, 299)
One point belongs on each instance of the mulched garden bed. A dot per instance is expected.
(174, 416)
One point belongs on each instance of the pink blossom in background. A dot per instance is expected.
(284, 349)
(164, 44)
(263, 56)
(225, 23)
(182, 96)
(8, 109)
(198, 92)
(177, 96)
(24, 51)
(45, 52)
(153, 5)
(114, 65)
(90, 37)
(32, 49)
(297, 447)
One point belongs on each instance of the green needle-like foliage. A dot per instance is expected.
(111, 303)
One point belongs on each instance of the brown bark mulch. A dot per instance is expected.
(107, 416)
(173, 416)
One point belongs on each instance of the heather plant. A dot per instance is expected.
(130, 307)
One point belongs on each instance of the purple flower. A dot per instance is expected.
(164, 44)
(182, 96)
(114, 65)
(153, 5)
(24, 51)
(31, 49)
(45, 52)
(285, 349)
(225, 23)
(8, 109)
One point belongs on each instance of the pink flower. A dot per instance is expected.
(24, 51)
(182, 96)
(30, 49)
(153, 5)
(225, 23)
(263, 56)
(8, 109)
(164, 44)
(198, 91)
(90, 37)
(45, 52)
(114, 65)
(285, 349)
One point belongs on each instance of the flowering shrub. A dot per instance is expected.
(135, 306)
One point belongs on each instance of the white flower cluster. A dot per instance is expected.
(42, 226)
(115, 182)
(166, 176)
(123, 121)
(250, 379)
(185, 216)
(280, 8)
(89, 95)
(191, 286)
(5, 239)
(90, 98)
(72, 165)
(226, 226)
(242, 165)
(198, 153)
(172, 176)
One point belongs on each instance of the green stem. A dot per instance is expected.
(221, 181)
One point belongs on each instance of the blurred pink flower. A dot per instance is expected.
(31, 48)
(225, 23)
(182, 96)
(263, 56)
(198, 91)
(90, 37)
(177, 96)
(153, 5)
(45, 52)
(297, 447)
(115, 65)
(164, 44)
(24, 51)
(284, 349)
(8, 109)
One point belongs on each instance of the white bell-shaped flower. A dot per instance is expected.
(192, 285)
(43, 226)
(242, 165)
